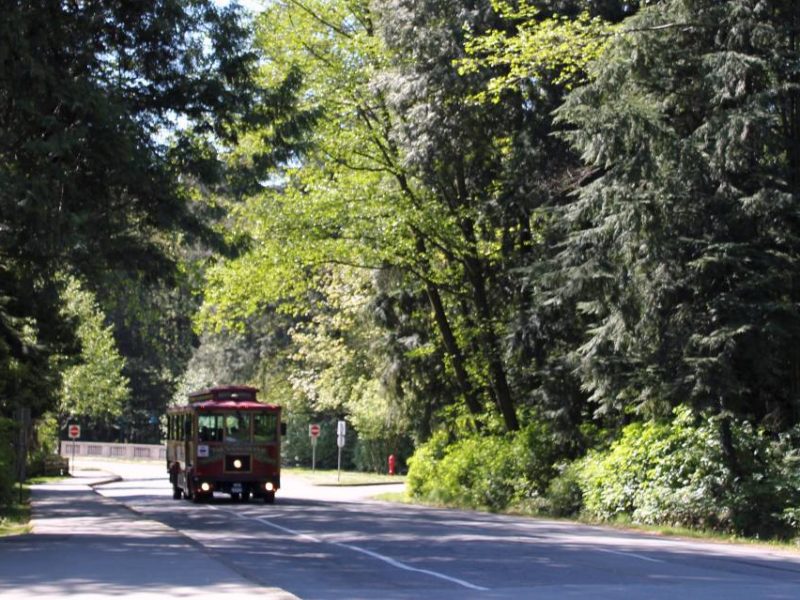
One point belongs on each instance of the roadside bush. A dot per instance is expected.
(676, 473)
(423, 466)
(491, 472)
(788, 449)
(659, 473)
(612, 482)
(564, 497)
(481, 472)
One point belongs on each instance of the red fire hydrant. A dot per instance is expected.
(391, 464)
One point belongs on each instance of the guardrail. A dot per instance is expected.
(121, 451)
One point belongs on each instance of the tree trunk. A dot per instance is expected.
(490, 345)
(476, 276)
(450, 343)
(726, 441)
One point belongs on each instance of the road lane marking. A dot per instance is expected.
(405, 567)
(629, 554)
(299, 534)
(386, 559)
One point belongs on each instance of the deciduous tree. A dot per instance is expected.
(88, 94)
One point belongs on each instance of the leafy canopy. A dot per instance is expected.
(92, 385)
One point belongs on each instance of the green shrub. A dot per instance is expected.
(665, 473)
(787, 448)
(564, 497)
(676, 473)
(423, 465)
(491, 472)
(481, 472)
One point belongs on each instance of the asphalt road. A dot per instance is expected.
(329, 543)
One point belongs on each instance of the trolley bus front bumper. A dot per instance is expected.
(255, 488)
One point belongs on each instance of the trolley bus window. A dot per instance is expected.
(210, 428)
(236, 395)
(265, 427)
(237, 427)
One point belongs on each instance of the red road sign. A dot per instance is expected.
(74, 432)
(313, 430)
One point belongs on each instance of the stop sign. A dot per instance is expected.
(74, 432)
(313, 430)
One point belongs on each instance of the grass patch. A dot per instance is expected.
(397, 497)
(46, 479)
(15, 517)
(331, 477)
(697, 534)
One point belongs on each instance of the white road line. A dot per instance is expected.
(389, 561)
(629, 554)
(397, 564)
(299, 534)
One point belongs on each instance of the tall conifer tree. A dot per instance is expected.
(686, 244)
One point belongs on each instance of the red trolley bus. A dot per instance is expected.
(224, 440)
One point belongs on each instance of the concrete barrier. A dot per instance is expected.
(120, 451)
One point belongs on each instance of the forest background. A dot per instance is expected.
(545, 253)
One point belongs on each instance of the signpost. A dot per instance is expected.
(313, 432)
(74, 432)
(341, 431)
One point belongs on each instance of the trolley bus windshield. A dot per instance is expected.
(209, 428)
(237, 427)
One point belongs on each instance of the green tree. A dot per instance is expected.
(88, 184)
(450, 153)
(476, 130)
(349, 201)
(685, 243)
(152, 322)
(258, 353)
(337, 366)
(407, 172)
(536, 44)
(93, 385)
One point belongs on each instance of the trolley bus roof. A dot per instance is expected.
(232, 405)
(225, 391)
(234, 397)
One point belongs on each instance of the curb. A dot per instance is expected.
(346, 485)
(111, 479)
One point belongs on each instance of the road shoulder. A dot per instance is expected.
(90, 546)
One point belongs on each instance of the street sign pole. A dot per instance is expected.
(313, 432)
(341, 430)
(74, 432)
(313, 454)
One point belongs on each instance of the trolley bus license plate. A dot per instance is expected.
(236, 488)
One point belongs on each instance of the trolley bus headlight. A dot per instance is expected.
(237, 464)
(205, 486)
(269, 487)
